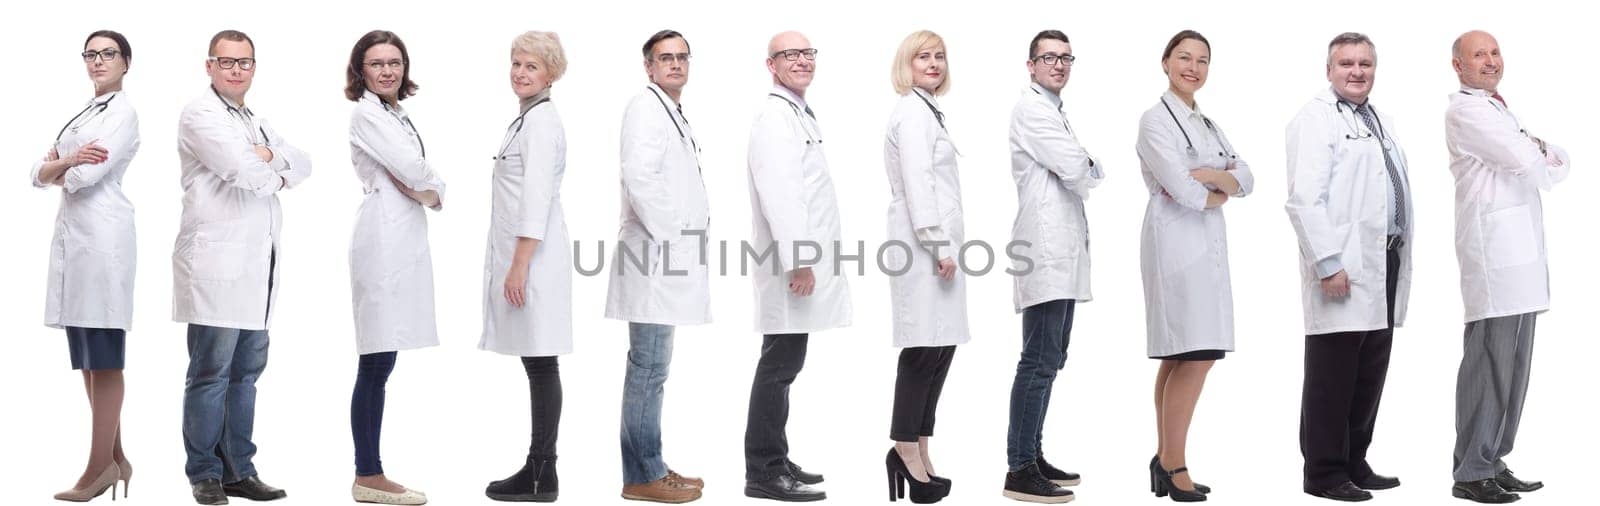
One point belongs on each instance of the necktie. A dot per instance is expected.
(809, 113)
(1500, 98)
(1394, 175)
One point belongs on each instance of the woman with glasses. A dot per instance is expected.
(527, 299)
(391, 270)
(1191, 170)
(929, 294)
(90, 281)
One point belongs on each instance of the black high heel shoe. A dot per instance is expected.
(1161, 484)
(922, 492)
(1155, 467)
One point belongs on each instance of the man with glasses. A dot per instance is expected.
(659, 278)
(1351, 210)
(1501, 171)
(799, 290)
(224, 269)
(1053, 174)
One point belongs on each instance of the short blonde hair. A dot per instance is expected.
(546, 46)
(900, 73)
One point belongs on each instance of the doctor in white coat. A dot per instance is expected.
(1350, 206)
(1190, 170)
(527, 270)
(1500, 169)
(224, 268)
(391, 269)
(89, 292)
(659, 277)
(1053, 174)
(799, 289)
(928, 292)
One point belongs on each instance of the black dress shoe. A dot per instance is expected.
(1155, 466)
(783, 488)
(802, 476)
(1484, 491)
(1512, 484)
(1377, 482)
(1346, 491)
(1029, 484)
(535, 482)
(253, 489)
(209, 492)
(1057, 476)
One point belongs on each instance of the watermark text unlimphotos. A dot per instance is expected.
(673, 258)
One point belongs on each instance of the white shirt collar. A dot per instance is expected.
(665, 96)
(927, 96)
(1055, 99)
(1173, 100)
(784, 92)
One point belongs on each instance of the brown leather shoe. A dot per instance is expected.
(686, 480)
(665, 490)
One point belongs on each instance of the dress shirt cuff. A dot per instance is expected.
(1329, 266)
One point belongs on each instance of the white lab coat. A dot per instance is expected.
(1053, 175)
(663, 197)
(1499, 172)
(1183, 248)
(527, 203)
(92, 252)
(925, 195)
(391, 269)
(1340, 207)
(228, 236)
(792, 201)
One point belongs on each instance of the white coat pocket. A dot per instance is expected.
(217, 261)
(1509, 238)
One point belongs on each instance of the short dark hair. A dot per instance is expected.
(355, 81)
(1183, 36)
(122, 43)
(231, 35)
(650, 45)
(1033, 45)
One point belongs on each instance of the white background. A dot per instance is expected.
(457, 417)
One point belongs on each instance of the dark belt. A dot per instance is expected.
(1395, 242)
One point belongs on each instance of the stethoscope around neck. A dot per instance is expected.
(811, 138)
(1356, 133)
(238, 113)
(515, 127)
(97, 107)
(407, 120)
(1194, 153)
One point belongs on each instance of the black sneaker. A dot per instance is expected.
(1057, 476)
(1029, 485)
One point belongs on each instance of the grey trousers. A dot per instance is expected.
(1490, 390)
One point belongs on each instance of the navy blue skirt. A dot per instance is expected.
(1195, 356)
(96, 349)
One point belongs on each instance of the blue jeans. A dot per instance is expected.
(1046, 331)
(219, 402)
(366, 409)
(649, 355)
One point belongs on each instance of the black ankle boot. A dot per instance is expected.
(535, 482)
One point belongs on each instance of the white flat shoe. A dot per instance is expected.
(375, 496)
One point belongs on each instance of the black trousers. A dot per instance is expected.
(544, 394)
(766, 440)
(918, 381)
(1344, 375)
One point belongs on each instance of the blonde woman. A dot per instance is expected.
(928, 292)
(527, 299)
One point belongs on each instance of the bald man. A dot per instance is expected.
(798, 288)
(1500, 169)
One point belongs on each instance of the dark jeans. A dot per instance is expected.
(1046, 332)
(544, 396)
(219, 402)
(1344, 376)
(918, 381)
(766, 443)
(366, 409)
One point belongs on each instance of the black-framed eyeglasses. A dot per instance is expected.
(378, 65)
(106, 55)
(669, 58)
(228, 63)
(1051, 59)
(795, 54)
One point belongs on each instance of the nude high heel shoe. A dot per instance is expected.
(125, 475)
(107, 480)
